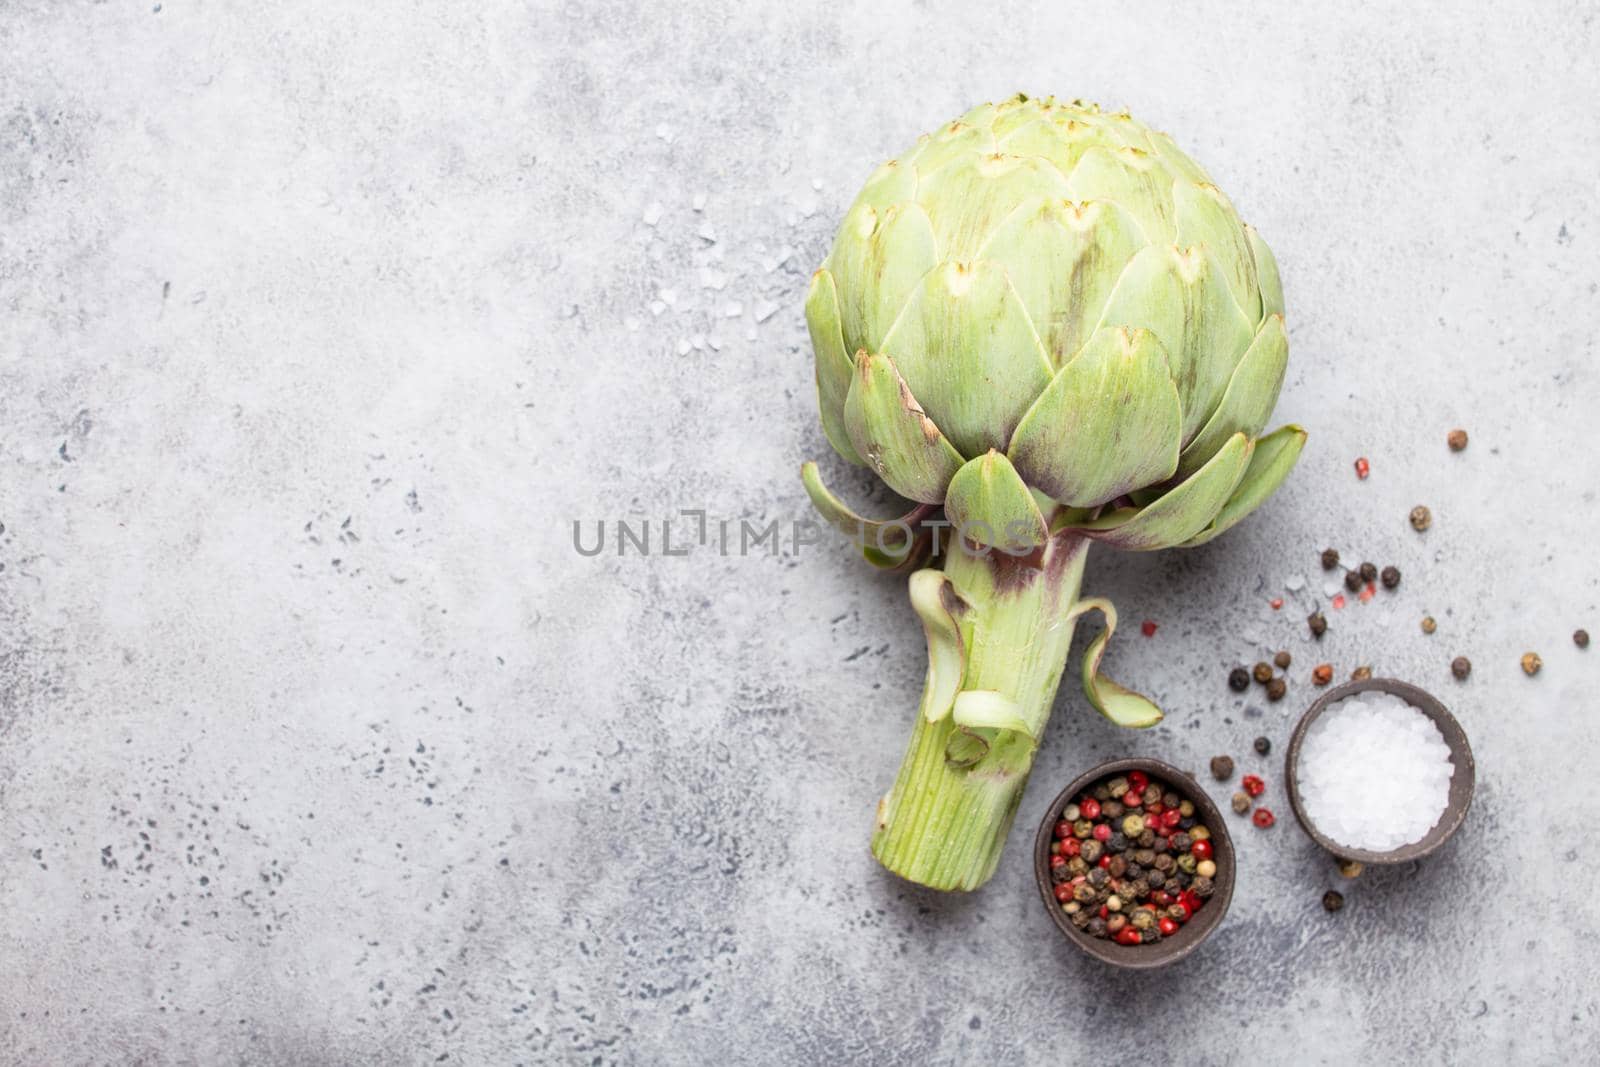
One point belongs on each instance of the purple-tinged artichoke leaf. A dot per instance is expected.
(1274, 457)
(1183, 511)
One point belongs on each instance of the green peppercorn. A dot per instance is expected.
(1262, 672)
(1083, 893)
(1142, 919)
(1200, 833)
(1318, 623)
(1076, 865)
(1352, 581)
(1238, 679)
(1332, 900)
(1186, 808)
(1186, 863)
(1330, 558)
(1102, 792)
(1390, 576)
(1117, 786)
(1461, 666)
(1133, 825)
(1276, 689)
(1369, 572)
(1082, 828)
(1092, 850)
(1222, 768)
(1241, 803)
(1263, 745)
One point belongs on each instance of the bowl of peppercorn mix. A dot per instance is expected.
(1134, 863)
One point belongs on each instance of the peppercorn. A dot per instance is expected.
(1461, 666)
(1134, 872)
(1351, 868)
(1142, 919)
(1363, 468)
(1369, 572)
(1456, 439)
(1076, 866)
(1167, 926)
(1098, 877)
(1177, 913)
(1186, 863)
(1352, 580)
(1203, 887)
(1253, 785)
(1097, 927)
(1276, 689)
(1164, 862)
(1169, 799)
(1222, 768)
(1117, 866)
(1155, 879)
(1241, 803)
(1115, 922)
(1332, 900)
(1263, 818)
(1421, 518)
(1206, 868)
(1263, 745)
(1330, 558)
(1282, 659)
(1101, 792)
(1133, 825)
(1531, 663)
(1139, 888)
(1361, 674)
(1152, 793)
(1117, 842)
(1390, 576)
(1083, 892)
(1428, 625)
(1117, 786)
(1089, 809)
(1070, 813)
(1081, 919)
(1092, 850)
(1580, 638)
(1185, 808)
(1322, 673)
(1200, 833)
(1238, 679)
(1262, 672)
(1144, 857)
(1072, 907)
(1112, 810)
(1148, 838)
(1201, 850)
(1082, 828)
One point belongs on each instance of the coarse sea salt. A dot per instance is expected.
(1374, 772)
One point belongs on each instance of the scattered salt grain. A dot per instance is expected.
(732, 309)
(765, 310)
(699, 202)
(1374, 772)
(652, 213)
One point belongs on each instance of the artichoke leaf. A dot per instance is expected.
(1248, 401)
(989, 503)
(1183, 511)
(1207, 220)
(969, 198)
(965, 346)
(1182, 298)
(887, 543)
(1121, 705)
(1266, 274)
(1109, 422)
(878, 258)
(940, 608)
(834, 367)
(1274, 457)
(1132, 178)
(889, 429)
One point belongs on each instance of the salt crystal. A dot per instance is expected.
(631, 323)
(667, 296)
(699, 201)
(715, 342)
(657, 307)
(664, 132)
(1294, 583)
(733, 309)
(652, 213)
(765, 310)
(707, 234)
(683, 346)
(1331, 589)
(1374, 772)
(816, 183)
(712, 279)
(699, 341)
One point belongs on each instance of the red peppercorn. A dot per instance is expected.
(1063, 829)
(1138, 781)
(1090, 808)
(1127, 936)
(1104, 861)
(1064, 892)
(1367, 592)
(1132, 799)
(1277, 602)
(1102, 832)
(1057, 861)
(1148, 628)
(1263, 818)
(1153, 812)
(1161, 897)
(1253, 785)
(1167, 926)
(1190, 900)
(1201, 850)
(1171, 817)
(1104, 911)
(1071, 847)
(1363, 468)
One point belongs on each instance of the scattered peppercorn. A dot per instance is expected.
(1580, 638)
(1352, 580)
(1531, 663)
(1330, 558)
(1361, 674)
(1428, 625)
(1390, 576)
(1318, 623)
(1369, 572)
(1222, 768)
(1351, 868)
(1276, 689)
(1263, 818)
(1421, 518)
(1363, 468)
(1262, 673)
(1322, 673)
(1461, 666)
(1332, 900)
(1238, 679)
(1263, 746)
(1253, 784)
(1241, 803)
(1282, 659)
(1457, 439)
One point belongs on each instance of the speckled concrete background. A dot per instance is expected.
(320, 744)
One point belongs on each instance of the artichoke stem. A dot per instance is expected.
(945, 821)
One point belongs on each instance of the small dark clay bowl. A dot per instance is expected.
(1462, 777)
(1197, 929)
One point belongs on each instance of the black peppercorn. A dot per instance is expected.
(1178, 880)
(1222, 768)
(1352, 580)
(1149, 936)
(1152, 793)
(1118, 865)
(1144, 857)
(1262, 673)
(1391, 577)
(1096, 927)
(1170, 799)
(1580, 638)
(1276, 689)
(1148, 838)
(1330, 558)
(1133, 872)
(1181, 842)
(1421, 518)
(1263, 746)
(1369, 572)
(1102, 792)
(1333, 900)
(1156, 878)
(1238, 679)
(1138, 890)
(1082, 919)
(1203, 887)
(1282, 660)
(1117, 842)
(1318, 623)
(1098, 877)
(1461, 666)
(1112, 809)
(1165, 861)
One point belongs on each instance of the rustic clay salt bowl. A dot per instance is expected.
(1197, 929)
(1462, 778)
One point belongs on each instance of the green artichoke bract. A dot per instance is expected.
(1049, 322)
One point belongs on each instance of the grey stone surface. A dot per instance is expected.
(319, 743)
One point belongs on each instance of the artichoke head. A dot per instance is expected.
(1045, 317)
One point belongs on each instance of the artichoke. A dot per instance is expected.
(1047, 321)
